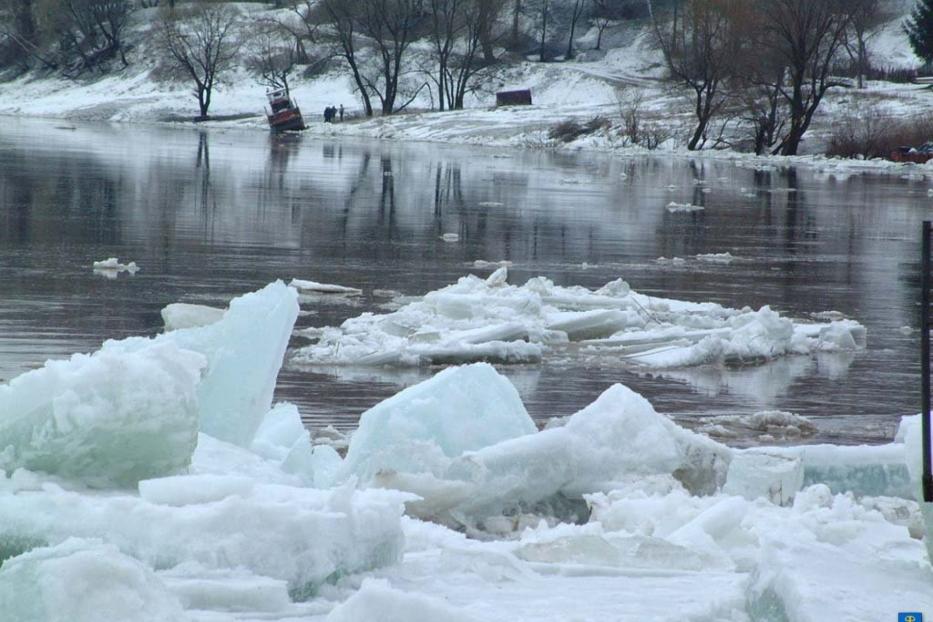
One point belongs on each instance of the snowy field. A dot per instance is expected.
(155, 480)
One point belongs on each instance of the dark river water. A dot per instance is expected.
(208, 216)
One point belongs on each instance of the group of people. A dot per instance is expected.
(331, 113)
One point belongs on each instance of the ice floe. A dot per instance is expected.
(323, 288)
(111, 267)
(683, 208)
(612, 513)
(492, 320)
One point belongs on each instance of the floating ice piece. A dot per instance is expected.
(481, 264)
(183, 315)
(683, 208)
(323, 288)
(673, 261)
(422, 428)
(83, 581)
(777, 423)
(244, 352)
(108, 418)
(723, 258)
(489, 319)
(451, 237)
(111, 267)
(490, 204)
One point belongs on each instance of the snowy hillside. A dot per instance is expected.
(595, 83)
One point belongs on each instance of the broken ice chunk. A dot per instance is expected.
(424, 426)
(107, 418)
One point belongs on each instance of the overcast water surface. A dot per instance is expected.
(210, 215)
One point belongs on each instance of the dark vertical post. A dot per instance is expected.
(927, 480)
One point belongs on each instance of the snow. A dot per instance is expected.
(490, 319)
(183, 315)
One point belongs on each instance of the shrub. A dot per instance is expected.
(865, 132)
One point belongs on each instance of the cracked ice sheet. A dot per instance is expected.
(476, 319)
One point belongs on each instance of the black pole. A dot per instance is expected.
(927, 480)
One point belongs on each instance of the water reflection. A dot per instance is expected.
(209, 215)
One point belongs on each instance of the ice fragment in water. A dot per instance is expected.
(323, 288)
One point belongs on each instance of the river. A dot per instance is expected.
(210, 215)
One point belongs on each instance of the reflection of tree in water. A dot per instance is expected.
(65, 197)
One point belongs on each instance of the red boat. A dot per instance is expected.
(286, 115)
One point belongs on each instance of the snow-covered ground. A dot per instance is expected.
(155, 480)
(593, 85)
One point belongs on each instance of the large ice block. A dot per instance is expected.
(422, 428)
(111, 418)
(244, 352)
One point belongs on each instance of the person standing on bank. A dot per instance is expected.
(341, 113)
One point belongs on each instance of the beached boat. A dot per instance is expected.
(285, 114)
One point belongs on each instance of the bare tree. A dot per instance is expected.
(865, 20)
(200, 43)
(458, 28)
(343, 19)
(391, 26)
(92, 32)
(271, 59)
(575, 15)
(545, 16)
(805, 37)
(700, 45)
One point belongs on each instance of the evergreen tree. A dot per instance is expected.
(919, 28)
